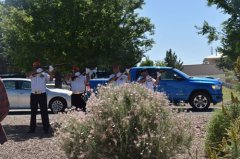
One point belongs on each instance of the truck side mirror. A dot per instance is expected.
(178, 78)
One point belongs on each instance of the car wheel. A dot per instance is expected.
(57, 105)
(200, 101)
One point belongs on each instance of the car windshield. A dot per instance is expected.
(182, 73)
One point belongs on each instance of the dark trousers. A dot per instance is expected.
(78, 102)
(41, 100)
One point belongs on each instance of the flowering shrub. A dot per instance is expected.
(126, 122)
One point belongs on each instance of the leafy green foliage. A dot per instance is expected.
(237, 87)
(147, 62)
(218, 127)
(209, 30)
(126, 122)
(230, 33)
(171, 60)
(160, 63)
(225, 64)
(87, 32)
(237, 68)
(230, 145)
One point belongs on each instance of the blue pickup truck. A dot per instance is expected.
(178, 86)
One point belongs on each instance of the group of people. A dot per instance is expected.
(118, 78)
(78, 81)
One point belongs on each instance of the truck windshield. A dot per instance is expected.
(182, 73)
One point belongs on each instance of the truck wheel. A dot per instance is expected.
(200, 101)
(57, 105)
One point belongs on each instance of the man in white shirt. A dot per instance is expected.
(118, 78)
(146, 80)
(39, 97)
(78, 87)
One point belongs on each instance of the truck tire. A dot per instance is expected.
(200, 101)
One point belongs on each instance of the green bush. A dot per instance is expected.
(237, 87)
(230, 77)
(230, 145)
(218, 127)
(126, 122)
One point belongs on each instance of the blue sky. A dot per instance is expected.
(174, 22)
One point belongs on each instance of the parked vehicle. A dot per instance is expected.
(179, 87)
(12, 75)
(19, 90)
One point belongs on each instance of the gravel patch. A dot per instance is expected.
(199, 122)
(22, 145)
(41, 146)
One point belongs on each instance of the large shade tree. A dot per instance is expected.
(229, 35)
(84, 32)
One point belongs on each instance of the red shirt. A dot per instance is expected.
(4, 109)
(4, 103)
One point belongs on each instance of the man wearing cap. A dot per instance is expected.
(78, 87)
(118, 78)
(39, 78)
(147, 81)
(4, 109)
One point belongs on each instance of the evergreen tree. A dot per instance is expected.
(172, 60)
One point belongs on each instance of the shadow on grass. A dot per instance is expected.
(19, 133)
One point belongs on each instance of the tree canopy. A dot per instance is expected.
(147, 62)
(230, 34)
(84, 32)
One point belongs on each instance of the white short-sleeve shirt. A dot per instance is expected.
(38, 82)
(150, 82)
(122, 78)
(79, 84)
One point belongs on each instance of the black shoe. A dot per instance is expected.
(31, 131)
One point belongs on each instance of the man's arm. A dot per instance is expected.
(86, 79)
(112, 78)
(141, 80)
(158, 78)
(47, 77)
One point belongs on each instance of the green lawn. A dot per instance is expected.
(227, 94)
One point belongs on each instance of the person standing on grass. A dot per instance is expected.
(4, 109)
(39, 78)
(118, 78)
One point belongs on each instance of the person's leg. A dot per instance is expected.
(75, 101)
(72, 100)
(82, 103)
(34, 107)
(44, 112)
(3, 137)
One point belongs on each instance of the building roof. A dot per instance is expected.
(202, 69)
(214, 56)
